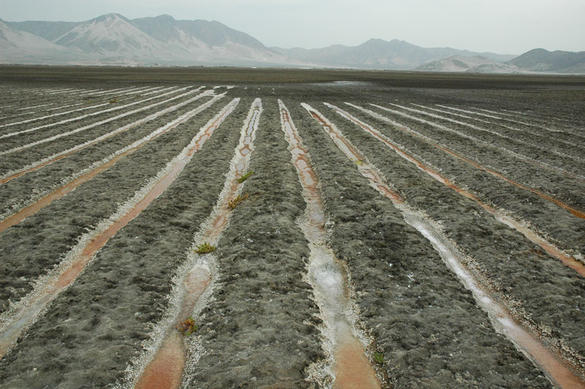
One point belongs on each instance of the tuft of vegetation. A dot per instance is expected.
(379, 357)
(205, 248)
(232, 204)
(359, 162)
(245, 177)
(187, 327)
(114, 100)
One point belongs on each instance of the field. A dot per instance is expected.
(218, 228)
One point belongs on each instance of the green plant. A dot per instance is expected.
(379, 357)
(232, 204)
(187, 327)
(114, 100)
(245, 177)
(205, 248)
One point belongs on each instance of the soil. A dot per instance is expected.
(261, 326)
(260, 329)
(124, 291)
(419, 315)
(42, 240)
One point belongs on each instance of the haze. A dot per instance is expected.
(503, 26)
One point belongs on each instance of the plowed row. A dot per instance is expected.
(431, 243)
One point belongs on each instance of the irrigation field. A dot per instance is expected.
(346, 235)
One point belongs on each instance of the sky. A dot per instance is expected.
(502, 26)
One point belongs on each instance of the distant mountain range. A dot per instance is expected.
(380, 54)
(113, 39)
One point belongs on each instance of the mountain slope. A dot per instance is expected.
(112, 37)
(22, 47)
(207, 42)
(475, 64)
(47, 30)
(542, 60)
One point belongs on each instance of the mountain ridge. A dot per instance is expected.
(113, 39)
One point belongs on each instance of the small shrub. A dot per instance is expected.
(205, 248)
(379, 357)
(232, 204)
(114, 100)
(187, 327)
(245, 177)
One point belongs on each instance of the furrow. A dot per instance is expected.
(260, 327)
(559, 187)
(498, 115)
(514, 141)
(574, 211)
(109, 91)
(559, 370)
(345, 344)
(100, 167)
(486, 144)
(77, 119)
(22, 315)
(66, 153)
(499, 215)
(524, 132)
(125, 289)
(165, 365)
(58, 114)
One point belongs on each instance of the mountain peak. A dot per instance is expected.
(111, 17)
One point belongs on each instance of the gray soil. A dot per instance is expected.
(261, 325)
(41, 241)
(260, 329)
(94, 328)
(21, 158)
(22, 100)
(502, 254)
(420, 316)
(565, 188)
(25, 189)
(550, 220)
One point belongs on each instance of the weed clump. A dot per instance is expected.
(187, 327)
(245, 177)
(114, 100)
(205, 248)
(232, 204)
(379, 357)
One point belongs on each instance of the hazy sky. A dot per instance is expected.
(504, 26)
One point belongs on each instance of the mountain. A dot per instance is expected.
(475, 64)
(114, 39)
(379, 54)
(23, 47)
(541, 60)
(207, 42)
(47, 30)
